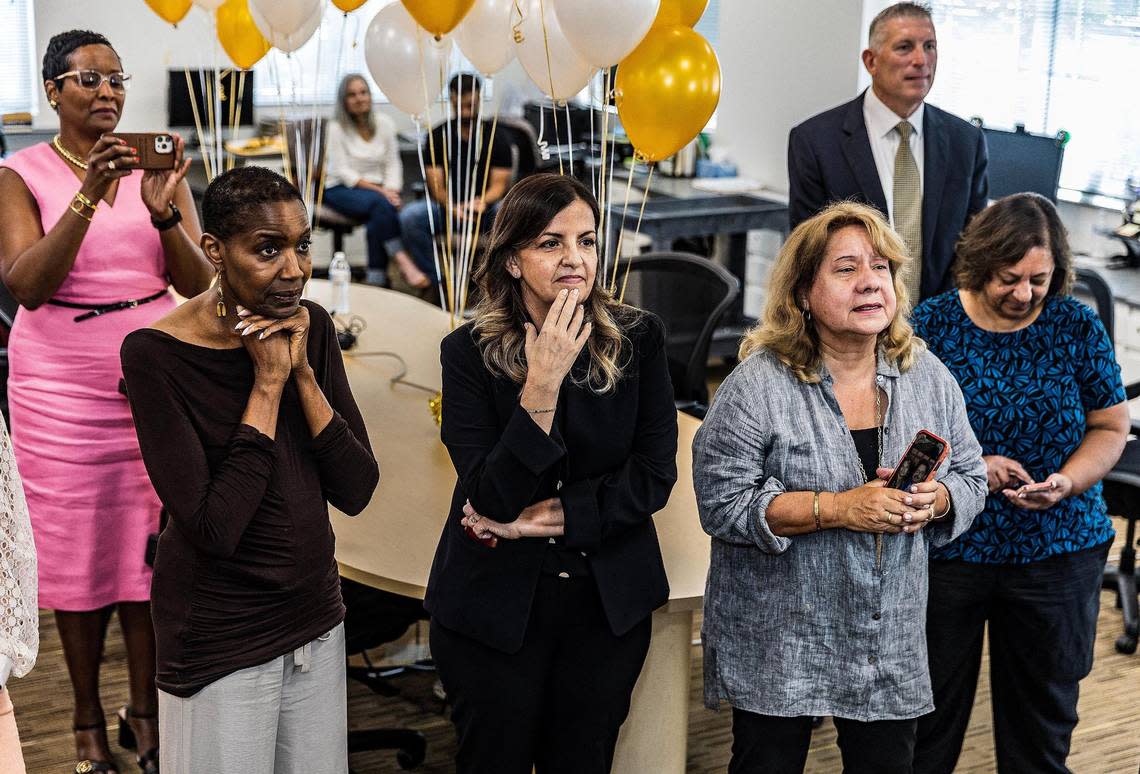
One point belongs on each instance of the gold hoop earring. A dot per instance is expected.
(220, 309)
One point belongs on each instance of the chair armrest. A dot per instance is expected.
(1132, 391)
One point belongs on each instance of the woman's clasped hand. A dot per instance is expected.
(283, 354)
(873, 507)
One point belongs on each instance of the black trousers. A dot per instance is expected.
(768, 744)
(559, 702)
(1042, 626)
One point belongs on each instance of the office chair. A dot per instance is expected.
(373, 618)
(298, 134)
(524, 148)
(690, 294)
(1122, 484)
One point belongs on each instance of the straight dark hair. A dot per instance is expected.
(1001, 235)
(526, 211)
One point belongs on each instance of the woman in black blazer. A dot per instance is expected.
(558, 415)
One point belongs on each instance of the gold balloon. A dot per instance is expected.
(172, 11)
(348, 5)
(683, 12)
(667, 90)
(438, 17)
(238, 34)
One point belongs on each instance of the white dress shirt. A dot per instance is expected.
(881, 122)
(351, 158)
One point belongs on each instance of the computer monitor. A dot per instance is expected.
(180, 112)
(1022, 161)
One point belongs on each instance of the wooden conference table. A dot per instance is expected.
(390, 545)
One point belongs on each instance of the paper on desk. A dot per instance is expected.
(727, 184)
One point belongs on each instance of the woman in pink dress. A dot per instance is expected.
(89, 245)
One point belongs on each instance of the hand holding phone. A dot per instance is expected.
(1042, 486)
(490, 540)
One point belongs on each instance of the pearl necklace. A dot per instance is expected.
(71, 157)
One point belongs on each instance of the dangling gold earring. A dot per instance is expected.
(53, 104)
(220, 309)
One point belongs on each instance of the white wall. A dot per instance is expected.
(147, 45)
(782, 61)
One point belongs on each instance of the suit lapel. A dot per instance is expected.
(857, 151)
(935, 149)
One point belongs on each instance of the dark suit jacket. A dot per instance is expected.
(611, 458)
(829, 159)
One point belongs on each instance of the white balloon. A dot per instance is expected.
(283, 18)
(288, 41)
(405, 61)
(209, 5)
(485, 36)
(561, 74)
(604, 31)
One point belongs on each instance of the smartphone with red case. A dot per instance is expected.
(155, 149)
(920, 462)
(490, 541)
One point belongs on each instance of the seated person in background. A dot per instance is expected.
(249, 431)
(364, 177)
(1044, 395)
(465, 191)
(816, 591)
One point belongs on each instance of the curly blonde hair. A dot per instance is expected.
(526, 211)
(785, 330)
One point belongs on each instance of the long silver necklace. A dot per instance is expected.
(878, 458)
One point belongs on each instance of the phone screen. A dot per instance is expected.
(920, 461)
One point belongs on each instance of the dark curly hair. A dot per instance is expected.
(229, 200)
(1001, 235)
(57, 57)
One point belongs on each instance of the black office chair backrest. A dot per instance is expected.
(690, 294)
(524, 147)
(1091, 289)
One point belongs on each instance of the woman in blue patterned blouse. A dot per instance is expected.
(1045, 399)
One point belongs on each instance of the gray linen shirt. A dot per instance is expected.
(808, 625)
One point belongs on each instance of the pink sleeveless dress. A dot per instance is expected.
(91, 503)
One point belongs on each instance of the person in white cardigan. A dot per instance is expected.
(364, 176)
(19, 613)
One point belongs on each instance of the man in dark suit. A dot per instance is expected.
(928, 185)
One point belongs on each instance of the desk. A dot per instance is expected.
(675, 209)
(391, 544)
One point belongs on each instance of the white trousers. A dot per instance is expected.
(287, 716)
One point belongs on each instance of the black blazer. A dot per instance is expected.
(611, 458)
(829, 159)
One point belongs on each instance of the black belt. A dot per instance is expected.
(98, 309)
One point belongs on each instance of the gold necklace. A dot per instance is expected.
(71, 157)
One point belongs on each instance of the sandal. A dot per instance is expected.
(88, 766)
(147, 761)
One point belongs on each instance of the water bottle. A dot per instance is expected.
(340, 275)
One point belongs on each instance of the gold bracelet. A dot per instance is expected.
(815, 511)
(540, 411)
(79, 195)
(79, 212)
(946, 512)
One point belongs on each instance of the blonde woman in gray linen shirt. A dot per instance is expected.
(816, 596)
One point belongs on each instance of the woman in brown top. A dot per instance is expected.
(248, 430)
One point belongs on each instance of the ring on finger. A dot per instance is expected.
(111, 164)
